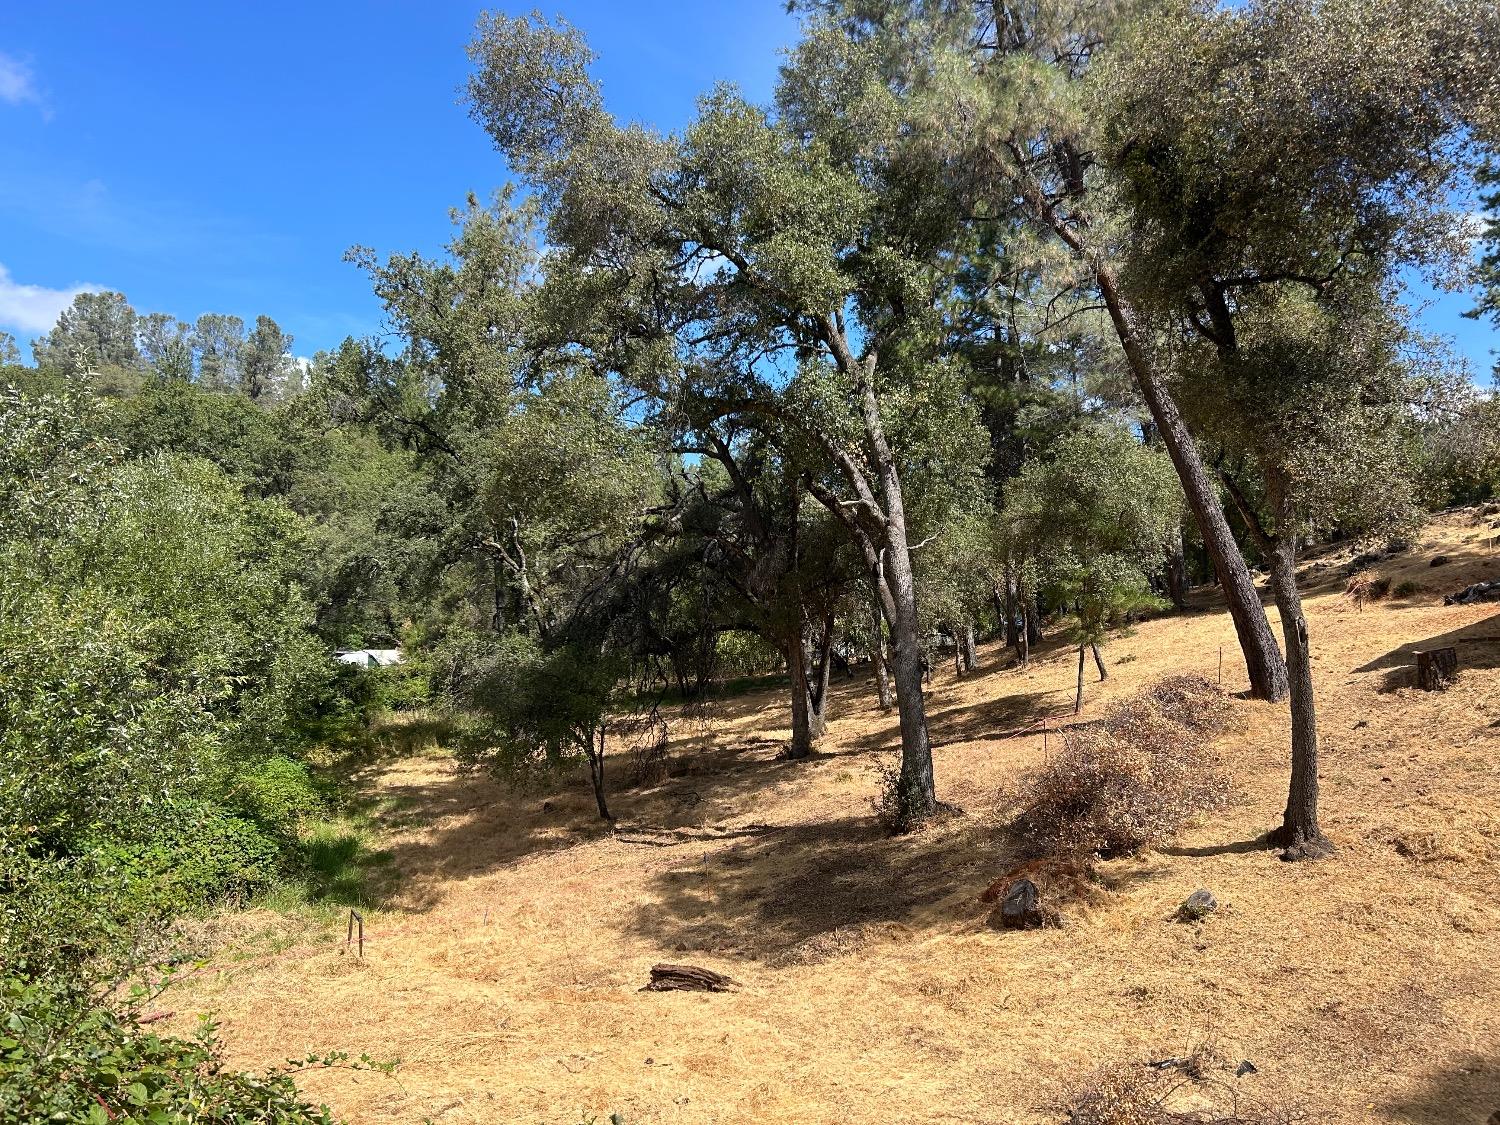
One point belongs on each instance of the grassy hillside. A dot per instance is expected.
(504, 969)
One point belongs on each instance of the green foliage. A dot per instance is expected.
(68, 1057)
(280, 795)
(897, 805)
(1092, 521)
(539, 707)
(196, 856)
(154, 643)
(1489, 239)
(740, 653)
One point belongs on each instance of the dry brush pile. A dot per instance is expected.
(1132, 779)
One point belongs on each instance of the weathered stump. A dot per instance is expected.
(1021, 909)
(686, 978)
(1437, 668)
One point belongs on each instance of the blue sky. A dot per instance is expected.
(222, 157)
(216, 157)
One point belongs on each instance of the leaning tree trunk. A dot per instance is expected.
(1268, 673)
(1078, 698)
(1299, 833)
(1099, 662)
(796, 666)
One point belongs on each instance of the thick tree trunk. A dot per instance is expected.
(1033, 611)
(958, 656)
(796, 666)
(596, 772)
(1023, 637)
(1299, 833)
(971, 650)
(1099, 662)
(1078, 698)
(918, 792)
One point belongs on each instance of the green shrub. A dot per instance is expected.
(198, 856)
(66, 1057)
(281, 795)
(741, 654)
(400, 687)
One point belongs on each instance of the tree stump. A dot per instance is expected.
(1437, 668)
(686, 978)
(1021, 909)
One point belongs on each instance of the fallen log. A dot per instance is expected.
(687, 978)
(1479, 592)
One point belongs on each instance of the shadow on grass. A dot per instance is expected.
(1478, 646)
(1466, 1088)
(762, 897)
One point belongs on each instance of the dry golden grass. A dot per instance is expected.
(505, 972)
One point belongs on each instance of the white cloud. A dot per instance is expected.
(17, 83)
(34, 308)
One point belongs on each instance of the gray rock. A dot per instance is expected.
(1021, 909)
(1199, 905)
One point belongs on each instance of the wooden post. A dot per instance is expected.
(1437, 668)
(355, 917)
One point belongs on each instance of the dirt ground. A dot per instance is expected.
(505, 972)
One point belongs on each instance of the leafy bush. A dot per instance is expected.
(400, 687)
(65, 1056)
(281, 795)
(894, 805)
(197, 856)
(1130, 780)
(739, 653)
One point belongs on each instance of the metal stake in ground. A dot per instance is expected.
(355, 917)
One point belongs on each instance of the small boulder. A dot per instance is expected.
(1439, 560)
(1021, 909)
(1198, 906)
